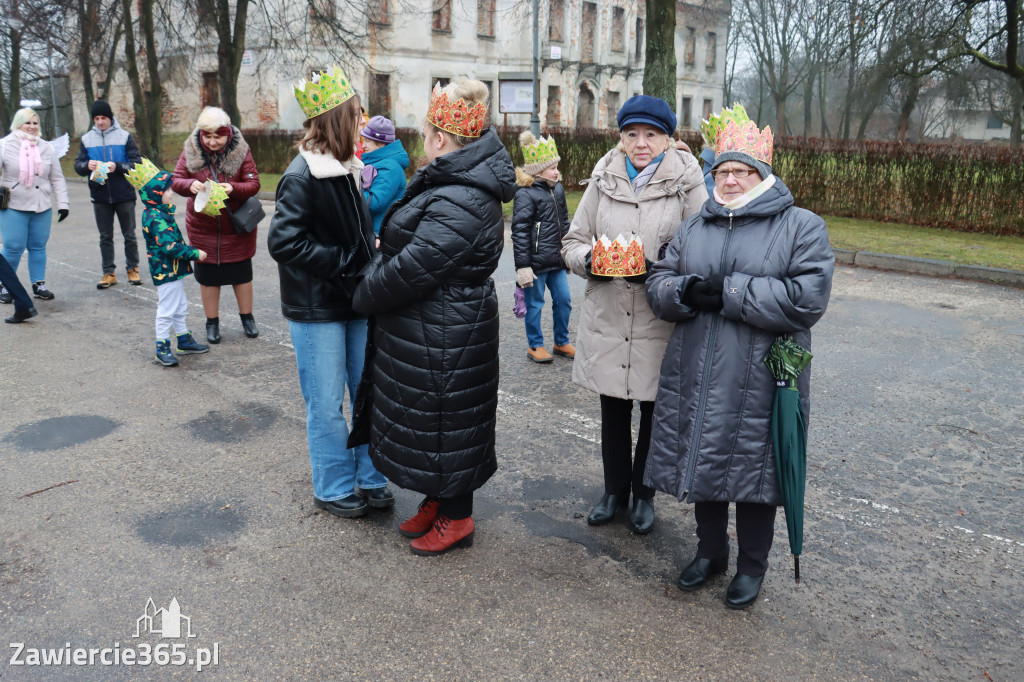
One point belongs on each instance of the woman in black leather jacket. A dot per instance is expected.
(435, 371)
(321, 236)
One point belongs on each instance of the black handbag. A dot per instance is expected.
(5, 197)
(248, 215)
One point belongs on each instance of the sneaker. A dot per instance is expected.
(133, 277)
(39, 290)
(540, 354)
(5, 296)
(187, 345)
(108, 280)
(566, 351)
(164, 355)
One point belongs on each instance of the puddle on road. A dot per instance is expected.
(235, 425)
(191, 525)
(60, 432)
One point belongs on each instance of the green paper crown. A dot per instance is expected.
(540, 151)
(709, 129)
(323, 92)
(141, 173)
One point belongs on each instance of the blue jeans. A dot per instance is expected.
(330, 356)
(561, 307)
(22, 230)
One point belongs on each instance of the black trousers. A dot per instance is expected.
(10, 280)
(621, 475)
(455, 508)
(125, 212)
(755, 530)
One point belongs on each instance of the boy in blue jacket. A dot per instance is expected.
(169, 261)
(384, 164)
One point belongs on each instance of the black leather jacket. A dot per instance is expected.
(321, 235)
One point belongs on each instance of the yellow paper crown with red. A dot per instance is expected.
(456, 117)
(710, 127)
(747, 139)
(323, 92)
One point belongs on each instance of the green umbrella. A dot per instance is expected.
(785, 360)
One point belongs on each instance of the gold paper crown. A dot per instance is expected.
(455, 117)
(211, 199)
(141, 173)
(323, 92)
(746, 138)
(540, 151)
(710, 128)
(618, 257)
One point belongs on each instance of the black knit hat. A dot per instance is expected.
(101, 108)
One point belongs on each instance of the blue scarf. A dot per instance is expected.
(633, 172)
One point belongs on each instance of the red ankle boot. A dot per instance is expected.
(445, 534)
(421, 522)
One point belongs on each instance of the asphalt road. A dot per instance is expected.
(123, 481)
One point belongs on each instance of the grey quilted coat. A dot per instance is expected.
(620, 342)
(711, 439)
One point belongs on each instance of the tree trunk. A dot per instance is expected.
(909, 102)
(660, 58)
(780, 113)
(105, 93)
(138, 97)
(230, 47)
(14, 103)
(154, 99)
(1017, 102)
(808, 102)
(86, 26)
(5, 114)
(823, 105)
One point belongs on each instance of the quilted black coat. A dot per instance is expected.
(540, 220)
(434, 370)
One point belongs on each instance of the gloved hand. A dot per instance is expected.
(640, 279)
(705, 294)
(62, 214)
(590, 271)
(525, 277)
(367, 176)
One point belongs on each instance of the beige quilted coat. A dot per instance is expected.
(620, 342)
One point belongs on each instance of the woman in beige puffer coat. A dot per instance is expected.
(645, 187)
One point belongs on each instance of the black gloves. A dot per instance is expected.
(640, 279)
(589, 266)
(62, 214)
(705, 294)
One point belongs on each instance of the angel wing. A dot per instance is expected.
(61, 145)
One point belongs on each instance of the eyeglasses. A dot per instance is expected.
(738, 173)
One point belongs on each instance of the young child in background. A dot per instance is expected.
(169, 261)
(383, 174)
(540, 219)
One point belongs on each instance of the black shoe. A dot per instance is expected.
(249, 327)
(696, 575)
(641, 516)
(378, 498)
(21, 316)
(604, 511)
(349, 506)
(213, 332)
(39, 290)
(743, 591)
(6, 296)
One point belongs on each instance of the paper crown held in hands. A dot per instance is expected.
(618, 257)
(211, 199)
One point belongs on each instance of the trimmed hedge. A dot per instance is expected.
(966, 188)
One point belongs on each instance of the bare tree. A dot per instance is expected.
(995, 38)
(660, 55)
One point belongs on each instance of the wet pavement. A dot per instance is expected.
(123, 481)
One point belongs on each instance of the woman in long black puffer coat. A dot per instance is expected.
(434, 371)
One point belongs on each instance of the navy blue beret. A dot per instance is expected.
(646, 109)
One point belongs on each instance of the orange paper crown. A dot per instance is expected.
(618, 257)
(455, 117)
(746, 138)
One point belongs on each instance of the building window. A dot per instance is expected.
(380, 12)
(611, 102)
(690, 52)
(639, 40)
(485, 18)
(585, 107)
(442, 15)
(209, 92)
(442, 82)
(204, 13)
(618, 29)
(707, 109)
(323, 10)
(379, 96)
(994, 122)
(555, 18)
(712, 51)
(686, 115)
(490, 95)
(589, 33)
(554, 113)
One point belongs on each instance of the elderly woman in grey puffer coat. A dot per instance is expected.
(750, 268)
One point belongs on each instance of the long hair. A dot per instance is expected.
(21, 116)
(471, 91)
(334, 131)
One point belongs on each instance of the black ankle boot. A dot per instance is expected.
(697, 573)
(605, 509)
(213, 329)
(743, 591)
(249, 326)
(641, 516)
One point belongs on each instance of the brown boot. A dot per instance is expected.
(540, 354)
(134, 277)
(444, 534)
(108, 280)
(566, 351)
(422, 521)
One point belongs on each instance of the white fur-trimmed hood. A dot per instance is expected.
(324, 165)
